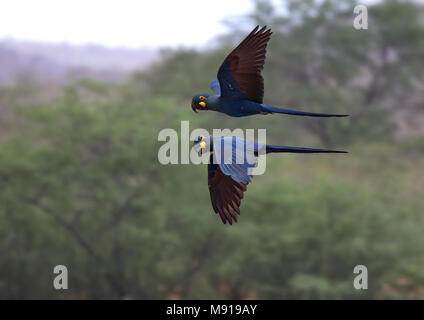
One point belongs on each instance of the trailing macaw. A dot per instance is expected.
(239, 87)
(228, 169)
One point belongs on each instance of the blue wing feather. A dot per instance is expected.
(215, 86)
(234, 162)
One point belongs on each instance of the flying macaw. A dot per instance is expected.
(239, 87)
(228, 169)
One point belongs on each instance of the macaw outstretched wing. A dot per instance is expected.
(240, 74)
(235, 157)
(228, 174)
(225, 193)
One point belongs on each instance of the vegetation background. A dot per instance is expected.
(81, 184)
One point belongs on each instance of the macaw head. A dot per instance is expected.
(202, 144)
(200, 102)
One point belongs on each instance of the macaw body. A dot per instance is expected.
(239, 86)
(230, 162)
(231, 107)
(245, 107)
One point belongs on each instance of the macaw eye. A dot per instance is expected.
(202, 137)
(202, 98)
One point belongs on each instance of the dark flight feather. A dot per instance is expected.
(244, 65)
(225, 193)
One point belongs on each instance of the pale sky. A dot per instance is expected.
(128, 23)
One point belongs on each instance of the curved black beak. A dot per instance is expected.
(193, 106)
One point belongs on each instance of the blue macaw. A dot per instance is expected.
(239, 87)
(228, 169)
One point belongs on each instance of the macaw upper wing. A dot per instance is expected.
(240, 74)
(215, 86)
(225, 193)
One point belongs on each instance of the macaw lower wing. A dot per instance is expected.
(225, 193)
(235, 157)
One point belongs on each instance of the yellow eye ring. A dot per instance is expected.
(202, 98)
(202, 137)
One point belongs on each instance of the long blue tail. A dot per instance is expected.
(276, 149)
(272, 109)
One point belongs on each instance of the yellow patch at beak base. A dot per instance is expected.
(202, 104)
(202, 144)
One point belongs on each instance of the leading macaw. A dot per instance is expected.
(239, 87)
(230, 160)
